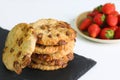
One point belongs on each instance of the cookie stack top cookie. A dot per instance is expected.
(53, 32)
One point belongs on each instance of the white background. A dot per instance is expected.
(106, 55)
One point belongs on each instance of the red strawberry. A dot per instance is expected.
(113, 27)
(117, 33)
(93, 30)
(85, 23)
(115, 13)
(108, 8)
(119, 19)
(99, 19)
(106, 33)
(112, 20)
(93, 13)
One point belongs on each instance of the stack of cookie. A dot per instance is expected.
(46, 44)
(55, 43)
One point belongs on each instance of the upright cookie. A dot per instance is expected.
(53, 32)
(19, 47)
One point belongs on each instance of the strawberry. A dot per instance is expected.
(93, 30)
(93, 13)
(108, 8)
(117, 33)
(115, 13)
(85, 23)
(106, 33)
(99, 19)
(112, 20)
(113, 27)
(118, 19)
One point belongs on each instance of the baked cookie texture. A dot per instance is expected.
(46, 67)
(20, 44)
(47, 44)
(41, 60)
(53, 32)
(43, 49)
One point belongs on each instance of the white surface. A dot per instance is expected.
(106, 55)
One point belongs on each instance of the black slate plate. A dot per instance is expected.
(76, 68)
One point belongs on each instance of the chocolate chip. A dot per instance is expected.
(33, 62)
(70, 56)
(62, 42)
(17, 67)
(33, 32)
(23, 28)
(58, 62)
(34, 55)
(42, 27)
(64, 65)
(52, 62)
(66, 25)
(17, 40)
(20, 41)
(68, 33)
(43, 47)
(29, 28)
(19, 53)
(26, 60)
(40, 35)
(25, 35)
(11, 50)
(47, 26)
(75, 40)
(62, 25)
(58, 35)
(16, 64)
(44, 57)
(50, 36)
(49, 30)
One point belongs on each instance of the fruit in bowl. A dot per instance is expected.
(101, 23)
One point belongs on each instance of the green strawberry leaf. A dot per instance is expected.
(109, 34)
(103, 18)
(99, 8)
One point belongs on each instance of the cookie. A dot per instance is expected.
(57, 55)
(53, 32)
(54, 62)
(19, 46)
(45, 67)
(42, 49)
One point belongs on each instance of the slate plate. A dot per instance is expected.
(76, 68)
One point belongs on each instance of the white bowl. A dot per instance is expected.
(77, 23)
